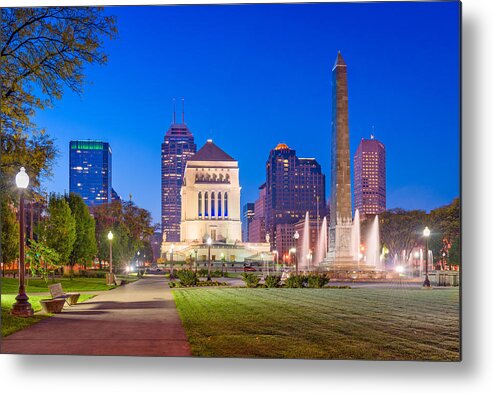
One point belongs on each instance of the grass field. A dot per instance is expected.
(11, 323)
(385, 324)
(10, 285)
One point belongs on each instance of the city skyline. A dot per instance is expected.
(272, 110)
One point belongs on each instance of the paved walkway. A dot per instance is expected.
(136, 319)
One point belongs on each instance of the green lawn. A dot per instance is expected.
(11, 323)
(387, 324)
(10, 285)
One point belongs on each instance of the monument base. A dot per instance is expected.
(345, 268)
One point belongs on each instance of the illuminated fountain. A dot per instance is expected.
(321, 243)
(305, 255)
(372, 259)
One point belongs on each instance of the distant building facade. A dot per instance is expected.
(211, 214)
(370, 193)
(248, 214)
(90, 171)
(294, 186)
(177, 148)
(256, 229)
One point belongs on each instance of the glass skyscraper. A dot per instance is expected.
(90, 171)
(177, 148)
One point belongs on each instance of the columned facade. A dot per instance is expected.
(211, 198)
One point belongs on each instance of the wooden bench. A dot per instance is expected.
(56, 291)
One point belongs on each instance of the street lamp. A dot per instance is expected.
(296, 236)
(22, 307)
(426, 234)
(222, 264)
(209, 242)
(293, 251)
(110, 280)
(171, 275)
(263, 265)
(196, 253)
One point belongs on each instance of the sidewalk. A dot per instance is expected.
(136, 319)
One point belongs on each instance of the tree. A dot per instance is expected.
(9, 233)
(445, 225)
(402, 230)
(84, 248)
(43, 51)
(132, 228)
(59, 229)
(42, 259)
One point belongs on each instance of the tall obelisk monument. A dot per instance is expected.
(340, 244)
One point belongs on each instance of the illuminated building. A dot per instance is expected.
(248, 214)
(210, 209)
(369, 177)
(90, 171)
(256, 230)
(177, 148)
(294, 186)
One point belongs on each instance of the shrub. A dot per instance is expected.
(187, 278)
(216, 273)
(202, 273)
(317, 280)
(250, 279)
(295, 281)
(272, 281)
(211, 284)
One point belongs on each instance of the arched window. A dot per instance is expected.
(200, 204)
(206, 209)
(213, 207)
(225, 204)
(219, 205)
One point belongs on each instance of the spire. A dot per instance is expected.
(183, 111)
(174, 111)
(339, 60)
(372, 135)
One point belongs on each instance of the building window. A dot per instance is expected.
(200, 204)
(225, 204)
(213, 206)
(206, 208)
(219, 204)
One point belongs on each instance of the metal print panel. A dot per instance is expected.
(253, 181)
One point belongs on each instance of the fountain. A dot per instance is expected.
(305, 246)
(355, 236)
(321, 243)
(373, 246)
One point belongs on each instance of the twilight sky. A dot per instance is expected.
(256, 75)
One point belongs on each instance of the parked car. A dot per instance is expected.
(249, 269)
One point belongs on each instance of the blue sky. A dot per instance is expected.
(256, 75)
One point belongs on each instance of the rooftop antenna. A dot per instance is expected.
(372, 135)
(183, 111)
(174, 111)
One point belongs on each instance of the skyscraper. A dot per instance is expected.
(369, 177)
(248, 214)
(90, 171)
(177, 148)
(293, 187)
(256, 229)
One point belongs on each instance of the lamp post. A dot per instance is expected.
(109, 279)
(22, 307)
(267, 240)
(171, 275)
(276, 260)
(263, 265)
(196, 253)
(426, 234)
(222, 264)
(296, 236)
(209, 242)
